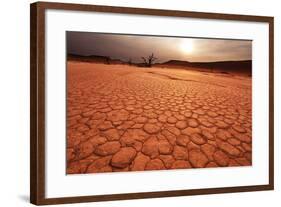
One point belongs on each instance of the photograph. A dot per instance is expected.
(142, 103)
(131, 102)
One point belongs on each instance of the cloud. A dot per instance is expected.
(165, 48)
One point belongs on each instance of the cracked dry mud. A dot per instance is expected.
(125, 118)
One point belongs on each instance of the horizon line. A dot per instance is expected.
(103, 56)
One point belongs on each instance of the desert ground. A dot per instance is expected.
(127, 118)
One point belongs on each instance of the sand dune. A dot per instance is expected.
(243, 67)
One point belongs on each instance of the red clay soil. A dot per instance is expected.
(125, 118)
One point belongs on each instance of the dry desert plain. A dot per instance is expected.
(128, 118)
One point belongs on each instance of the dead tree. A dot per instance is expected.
(107, 59)
(130, 61)
(149, 60)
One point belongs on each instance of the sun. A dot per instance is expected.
(187, 46)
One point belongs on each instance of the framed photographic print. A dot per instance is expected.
(131, 103)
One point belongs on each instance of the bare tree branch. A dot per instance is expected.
(149, 60)
(144, 60)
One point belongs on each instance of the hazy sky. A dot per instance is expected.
(133, 47)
